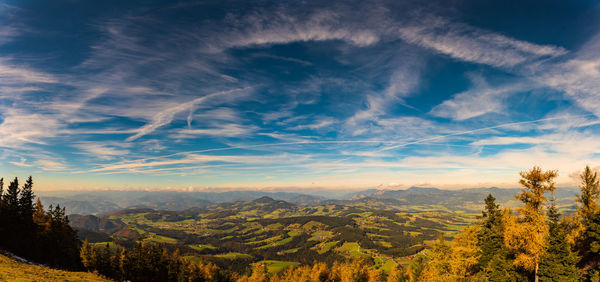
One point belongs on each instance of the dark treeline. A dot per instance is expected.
(30, 231)
(146, 262)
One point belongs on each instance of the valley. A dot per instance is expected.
(278, 234)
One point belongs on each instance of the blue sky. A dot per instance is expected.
(297, 94)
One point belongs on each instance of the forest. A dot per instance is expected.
(532, 242)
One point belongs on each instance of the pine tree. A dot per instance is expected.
(11, 199)
(26, 199)
(492, 231)
(526, 235)
(559, 262)
(397, 274)
(592, 236)
(589, 214)
(39, 216)
(438, 266)
(11, 234)
(1, 191)
(88, 256)
(2, 211)
(590, 193)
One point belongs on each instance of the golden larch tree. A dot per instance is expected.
(526, 234)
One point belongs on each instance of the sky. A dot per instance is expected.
(297, 94)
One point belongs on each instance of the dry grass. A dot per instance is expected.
(12, 270)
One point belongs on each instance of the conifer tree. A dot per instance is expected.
(11, 220)
(11, 199)
(1, 190)
(88, 256)
(2, 212)
(39, 216)
(592, 254)
(397, 274)
(559, 262)
(526, 235)
(415, 269)
(492, 231)
(590, 193)
(588, 243)
(438, 266)
(26, 199)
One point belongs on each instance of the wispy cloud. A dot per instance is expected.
(102, 150)
(480, 99)
(20, 127)
(13, 74)
(224, 130)
(473, 44)
(165, 117)
(281, 27)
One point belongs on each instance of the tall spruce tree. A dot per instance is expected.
(26, 200)
(491, 236)
(588, 211)
(2, 212)
(495, 261)
(1, 190)
(11, 199)
(559, 263)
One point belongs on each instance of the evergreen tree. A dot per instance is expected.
(492, 232)
(592, 237)
(588, 211)
(559, 262)
(11, 200)
(2, 211)
(26, 200)
(1, 191)
(11, 235)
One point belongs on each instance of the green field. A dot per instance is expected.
(276, 266)
(201, 247)
(233, 256)
(243, 233)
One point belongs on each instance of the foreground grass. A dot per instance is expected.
(11, 270)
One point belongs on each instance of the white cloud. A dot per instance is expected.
(51, 165)
(513, 140)
(472, 44)
(101, 149)
(224, 130)
(282, 28)
(22, 163)
(480, 99)
(578, 77)
(20, 127)
(166, 116)
(13, 74)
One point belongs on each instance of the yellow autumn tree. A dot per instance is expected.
(526, 234)
(454, 262)
(437, 267)
(465, 253)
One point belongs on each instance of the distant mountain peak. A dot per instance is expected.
(264, 199)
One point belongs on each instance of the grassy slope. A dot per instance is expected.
(11, 270)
